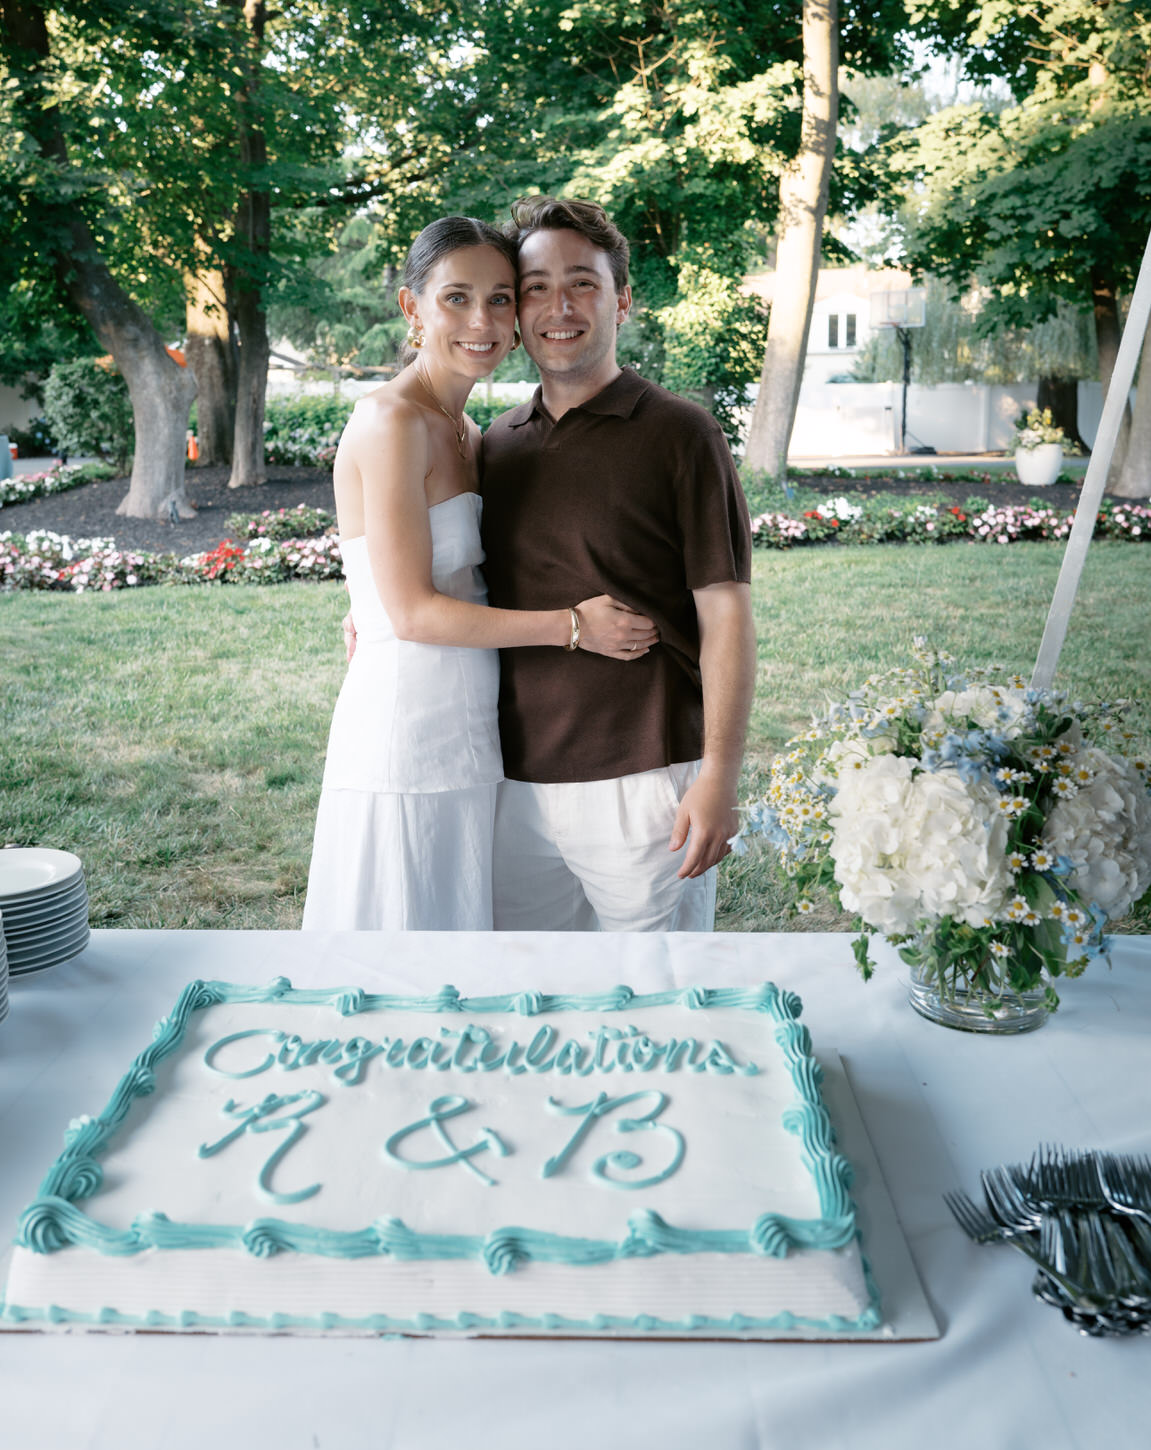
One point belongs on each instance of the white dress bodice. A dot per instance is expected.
(417, 717)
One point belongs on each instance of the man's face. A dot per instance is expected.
(569, 309)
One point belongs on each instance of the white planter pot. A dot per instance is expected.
(1038, 467)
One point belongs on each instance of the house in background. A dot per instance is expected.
(839, 418)
(840, 316)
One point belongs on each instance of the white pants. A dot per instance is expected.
(593, 856)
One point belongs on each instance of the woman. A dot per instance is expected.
(403, 834)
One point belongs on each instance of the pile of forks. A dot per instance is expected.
(1084, 1219)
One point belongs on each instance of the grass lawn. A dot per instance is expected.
(174, 737)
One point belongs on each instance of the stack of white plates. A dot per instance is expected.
(3, 972)
(44, 901)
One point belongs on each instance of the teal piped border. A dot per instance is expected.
(53, 1221)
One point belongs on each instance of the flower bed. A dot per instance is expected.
(301, 522)
(843, 521)
(300, 543)
(26, 486)
(43, 560)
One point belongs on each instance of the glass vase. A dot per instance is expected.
(969, 1006)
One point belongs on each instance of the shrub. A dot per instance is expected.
(483, 411)
(304, 430)
(35, 441)
(301, 522)
(88, 410)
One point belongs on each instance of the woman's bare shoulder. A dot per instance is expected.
(385, 411)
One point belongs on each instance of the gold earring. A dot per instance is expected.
(516, 341)
(415, 338)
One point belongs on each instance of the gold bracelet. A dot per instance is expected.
(573, 642)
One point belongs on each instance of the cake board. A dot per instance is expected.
(907, 1315)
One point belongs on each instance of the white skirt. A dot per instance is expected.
(402, 862)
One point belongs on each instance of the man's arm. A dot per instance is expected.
(727, 668)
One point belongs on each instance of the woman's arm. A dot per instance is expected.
(387, 445)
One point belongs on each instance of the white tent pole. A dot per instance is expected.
(1055, 631)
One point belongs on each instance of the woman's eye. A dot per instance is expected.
(501, 300)
(456, 297)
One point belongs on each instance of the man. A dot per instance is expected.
(621, 786)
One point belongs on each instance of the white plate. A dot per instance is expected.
(44, 901)
(44, 941)
(26, 870)
(35, 900)
(23, 933)
(37, 961)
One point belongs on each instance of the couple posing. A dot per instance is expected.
(615, 548)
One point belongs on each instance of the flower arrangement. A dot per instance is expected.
(976, 824)
(1034, 429)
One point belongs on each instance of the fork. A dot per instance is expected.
(1008, 1200)
(1059, 1178)
(983, 1229)
(1126, 1184)
(977, 1224)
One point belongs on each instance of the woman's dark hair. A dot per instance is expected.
(551, 214)
(449, 234)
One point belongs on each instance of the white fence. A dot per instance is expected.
(841, 419)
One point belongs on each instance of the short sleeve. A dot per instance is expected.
(712, 510)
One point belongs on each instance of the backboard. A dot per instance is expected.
(906, 308)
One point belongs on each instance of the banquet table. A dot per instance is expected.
(937, 1106)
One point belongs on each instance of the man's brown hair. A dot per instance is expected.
(551, 213)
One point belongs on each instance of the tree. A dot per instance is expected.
(803, 193)
(158, 142)
(160, 389)
(1049, 197)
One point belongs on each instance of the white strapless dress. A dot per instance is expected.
(403, 832)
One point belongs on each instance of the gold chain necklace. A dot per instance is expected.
(459, 428)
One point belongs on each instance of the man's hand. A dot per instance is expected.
(727, 671)
(708, 812)
(349, 629)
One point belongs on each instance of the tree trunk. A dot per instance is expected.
(1134, 480)
(160, 389)
(251, 386)
(1108, 331)
(802, 204)
(254, 228)
(1061, 395)
(210, 356)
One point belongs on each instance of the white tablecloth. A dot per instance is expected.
(1007, 1374)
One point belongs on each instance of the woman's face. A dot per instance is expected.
(467, 310)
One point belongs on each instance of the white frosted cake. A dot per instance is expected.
(329, 1160)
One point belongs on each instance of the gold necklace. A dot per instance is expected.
(459, 428)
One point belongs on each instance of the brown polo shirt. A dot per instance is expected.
(634, 494)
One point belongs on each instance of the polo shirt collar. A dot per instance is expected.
(618, 398)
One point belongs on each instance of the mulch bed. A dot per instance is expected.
(90, 510)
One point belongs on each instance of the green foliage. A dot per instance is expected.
(88, 410)
(298, 523)
(35, 441)
(1035, 198)
(713, 340)
(484, 411)
(305, 430)
(342, 309)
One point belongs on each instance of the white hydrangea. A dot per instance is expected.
(909, 846)
(850, 753)
(992, 708)
(1105, 829)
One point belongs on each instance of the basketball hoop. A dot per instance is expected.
(906, 308)
(901, 311)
